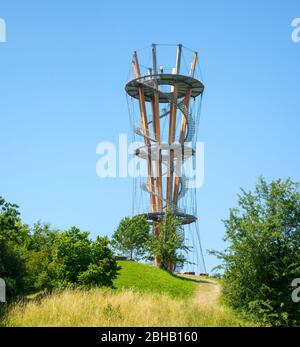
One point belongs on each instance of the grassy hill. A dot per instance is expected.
(142, 296)
(147, 278)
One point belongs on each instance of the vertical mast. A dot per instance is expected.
(154, 59)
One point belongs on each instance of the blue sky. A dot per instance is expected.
(63, 70)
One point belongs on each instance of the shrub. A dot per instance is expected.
(43, 258)
(12, 237)
(263, 256)
(82, 261)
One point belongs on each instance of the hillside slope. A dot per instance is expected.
(147, 278)
(143, 296)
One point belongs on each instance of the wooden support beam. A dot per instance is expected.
(172, 128)
(184, 124)
(156, 130)
(172, 125)
(181, 141)
(143, 110)
(193, 65)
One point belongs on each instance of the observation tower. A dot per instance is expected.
(164, 93)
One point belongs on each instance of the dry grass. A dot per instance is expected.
(125, 308)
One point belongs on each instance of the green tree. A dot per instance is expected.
(79, 260)
(42, 258)
(131, 237)
(73, 255)
(263, 255)
(42, 236)
(103, 269)
(40, 266)
(13, 238)
(168, 245)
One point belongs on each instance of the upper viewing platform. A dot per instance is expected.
(173, 80)
(183, 83)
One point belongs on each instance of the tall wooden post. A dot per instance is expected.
(172, 124)
(184, 124)
(143, 110)
(156, 130)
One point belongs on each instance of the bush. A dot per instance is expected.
(81, 261)
(263, 256)
(100, 275)
(103, 269)
(43, 258)
(12, 237)
(68, 259)
(40, 267)
(12, 269)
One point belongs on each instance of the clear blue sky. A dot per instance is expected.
(62, 75)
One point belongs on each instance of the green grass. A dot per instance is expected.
(97, 307)
(146, 278)
(143, 296)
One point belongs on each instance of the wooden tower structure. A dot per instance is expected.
(165, 113)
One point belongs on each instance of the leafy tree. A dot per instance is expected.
(42, 236)
(40, 266)
(263, 256)
(168, 245)
(103, 269)
(13, 236)
(73, 254)
(43, 258)
(12, 268)
(79, 260)
(131, 237)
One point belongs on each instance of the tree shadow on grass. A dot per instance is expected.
(190, 279)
